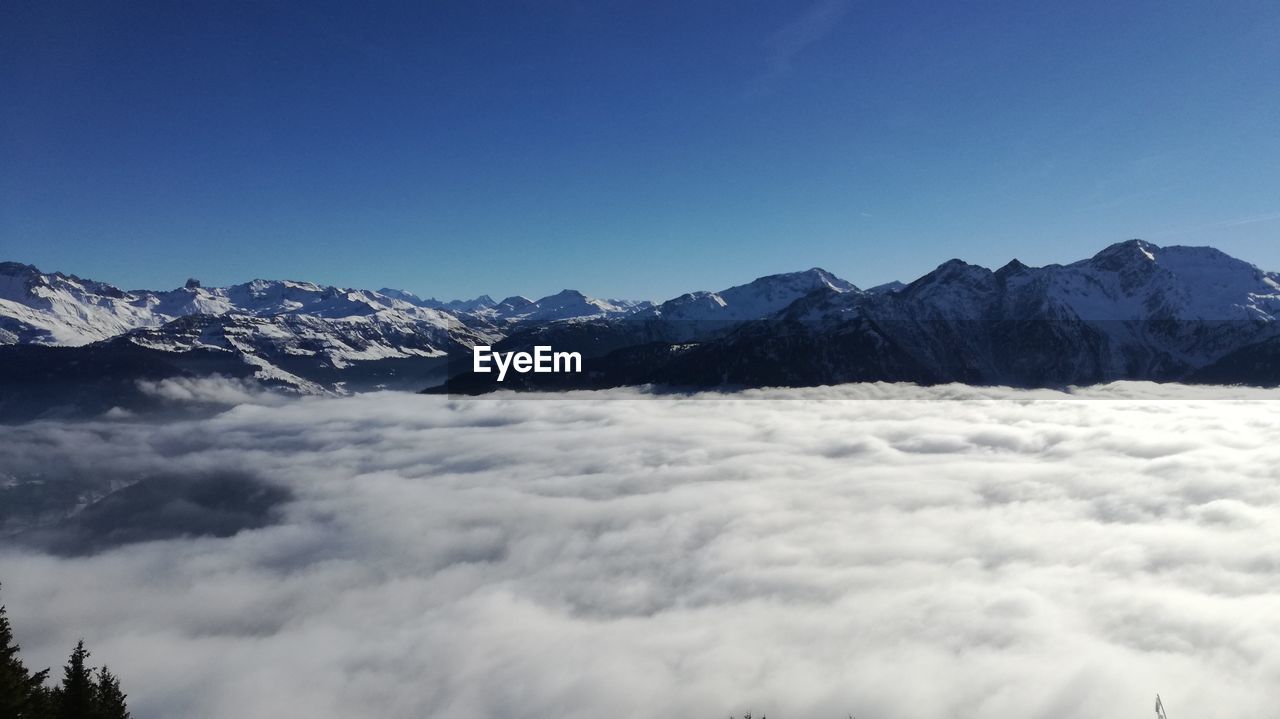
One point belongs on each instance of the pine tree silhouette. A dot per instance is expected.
(22, 693)
(75, 698)
(108, 697)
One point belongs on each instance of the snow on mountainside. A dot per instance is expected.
(1131, 280)
(510, 305)
(1136, 279)
(694, 317)
(1134, 310)
(1142, 310)
(1128, 281)
(755, 300)
(333, 343)
(58, 309)
(312, 338)
(564, 305)
(479, 303)
(65, 310)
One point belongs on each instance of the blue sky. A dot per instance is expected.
(627, 149)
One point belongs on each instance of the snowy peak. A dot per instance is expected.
(15, 273)
(266, 297)
(1140, 279)
(58, 309)
(1123, 255)
(1127, 281)
(564, 305)
(26, 284)
(956, 270)
(760, 298)
(814, 278)
(402, 295)
(1133, 310)
(955, 289)
(480, 303)
(513, 302)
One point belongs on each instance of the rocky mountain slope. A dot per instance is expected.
(1133, 311)
(297, 336)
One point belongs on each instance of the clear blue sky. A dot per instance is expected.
(627, 149)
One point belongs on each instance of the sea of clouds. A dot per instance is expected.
(864, 550)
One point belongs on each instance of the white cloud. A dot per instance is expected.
(794, 552)
(214, 389)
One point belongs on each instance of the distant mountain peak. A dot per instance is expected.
(1125, 253)
(14, 269)
(956, 263)
(814, 277)
(886, 288)
(405, 295)
(515, 301)
(479, 303)
(1133, 310)
(954, 271)
(1011, 267)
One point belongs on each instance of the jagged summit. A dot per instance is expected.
(1121, 255)
(1133, 310)
(472, 305)
(515, 301)
(403, 295)
(813, 278)
(1012, 267)
(14, 269)
(952, 273)
(757, 299)
(566, 304)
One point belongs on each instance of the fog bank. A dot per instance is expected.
(791, 552)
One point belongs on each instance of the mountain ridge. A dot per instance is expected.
(1132, 310)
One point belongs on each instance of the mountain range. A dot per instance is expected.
(1133, 311)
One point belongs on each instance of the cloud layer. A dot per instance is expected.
(793, 552)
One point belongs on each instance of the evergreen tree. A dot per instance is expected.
(75, 698)
(108, 697)
(22, 693)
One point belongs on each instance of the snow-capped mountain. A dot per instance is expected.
(1181, 306)
(66, 310)
(755, 300)
(1136, 279)
(1134, 310)
(564, 305)
(692, 317)
(60, 309)
(301, 335)
(479, 303)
